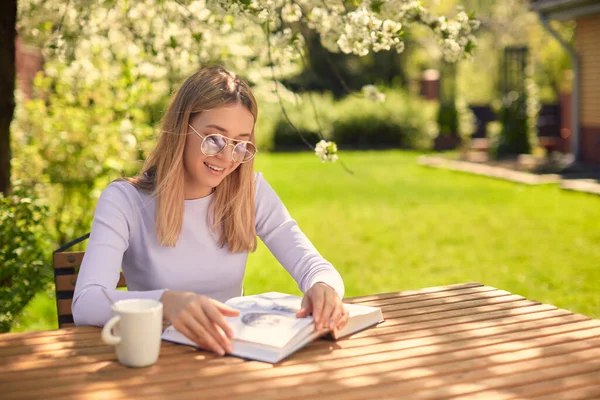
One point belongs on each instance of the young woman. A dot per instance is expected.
(182, 230)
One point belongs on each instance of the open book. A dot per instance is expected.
(267, 328)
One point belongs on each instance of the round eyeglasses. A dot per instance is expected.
(214, 144)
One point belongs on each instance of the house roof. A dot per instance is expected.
(565, 9)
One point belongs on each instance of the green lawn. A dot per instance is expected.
(394, 225)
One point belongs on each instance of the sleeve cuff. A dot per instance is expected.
(332, 280)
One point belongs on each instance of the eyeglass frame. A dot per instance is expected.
(227, 141)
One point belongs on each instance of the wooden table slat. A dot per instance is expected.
(427, 307)
(97, 347)
(458, 312)
(577, 393)
(426, 302)
(506, 315)
(408, 293)
(564, 343)
(179, 375)
(425, 292)
(417, 334)
(437, 345)
(545, 387)
(457, 340)
(430, 335)
(108, 355)
(24, 347)
(545, 377)
(451, 325)
(220, 375)
(19, 336)
(480, 312)
(382, 373)
(427, 296)
(463, 305)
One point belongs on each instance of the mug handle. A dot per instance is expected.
(107, 335)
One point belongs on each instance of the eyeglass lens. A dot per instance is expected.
(214, 144)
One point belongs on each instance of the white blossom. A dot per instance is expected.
(291, 12)
(149, 46)
(326, 151)
(373, 94)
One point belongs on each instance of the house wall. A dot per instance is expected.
(587, 44)
(28, 62)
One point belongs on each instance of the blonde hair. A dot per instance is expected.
(231, 211)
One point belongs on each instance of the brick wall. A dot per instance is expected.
(590, 145)
(28, 63)
(587, 44)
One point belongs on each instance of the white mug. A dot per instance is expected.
(138, 326)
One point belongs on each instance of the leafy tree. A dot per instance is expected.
(8, 19)
(160, 41)
(24, 252)
(110, 66)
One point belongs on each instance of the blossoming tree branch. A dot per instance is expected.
(122, 56)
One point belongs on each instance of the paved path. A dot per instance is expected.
(580, 185)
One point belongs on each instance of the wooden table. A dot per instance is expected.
(465, 340)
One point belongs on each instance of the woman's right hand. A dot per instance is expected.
(200, 318)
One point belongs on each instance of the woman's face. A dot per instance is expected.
(202, 172)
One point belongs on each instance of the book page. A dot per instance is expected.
(268, 318)
(355, 309)
(360, 317)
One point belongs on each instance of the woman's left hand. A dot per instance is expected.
(325, 305)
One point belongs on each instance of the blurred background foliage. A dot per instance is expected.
(76, 132)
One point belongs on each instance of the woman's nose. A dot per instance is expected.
(227, 154)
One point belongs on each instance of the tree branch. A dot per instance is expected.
(272, 67)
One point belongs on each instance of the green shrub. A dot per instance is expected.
(302, 114)
(447, 119)
(71, 145)
(370, 132)
(268, 115)
(24, 253)
(287, 138)
(401, 121)
(514, 137)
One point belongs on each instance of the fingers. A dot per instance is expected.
(306, 307)
(318, 301)
(303, 312)
(214, 323)
(190, 334)
(327, 307)
(330, 303)
(217, 313)
(336, 315)
(225, 309)
(201, 319)
(194, 330)
(344, 320)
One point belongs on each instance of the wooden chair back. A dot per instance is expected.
(66, 268)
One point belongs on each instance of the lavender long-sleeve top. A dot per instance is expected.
(123, 236)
